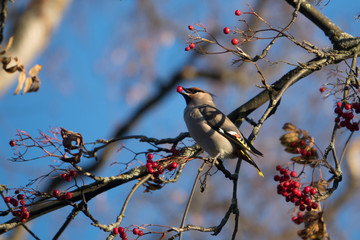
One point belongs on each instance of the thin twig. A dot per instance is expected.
(190, 198)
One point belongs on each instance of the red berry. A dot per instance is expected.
(306, 189)
(14, 202)
(20, 196)
(237, 12)
(294, 218)
(347, 106)
(337, 119)
(63, 175)
(141, 233)
(151, 170)
(226, 30)
(322, 89)
(293, 174)
(68, 195)
(121, 229)
(302, 207)
(25, 215)
(23, 202)
(303, 152)
(156, 174)
(23, 209)
(7, 199)
(338, 110)
(191, 27)
(174, 165)
(149, 165)
(314, 205)
(150, 156)
(187, 49)
(192, 45)
(135, 231)
(296, 184)
(12, 143)
(302, 143)
(313, 191)
(123, 235)
(68, 178)
(276, 178)
(293, 144)
(56, 193)
(179, 89)
(72, 173)
(308, 201)
(234, 41)
(297, 150)
(115, 231)
(278, 167)
(154, 165)
(308, 208)
(339, 104)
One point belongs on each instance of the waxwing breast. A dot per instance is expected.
(205, 136)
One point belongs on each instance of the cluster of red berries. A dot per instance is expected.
(156, 169)
(345, 115)
(302, 148)
(22, 213)
(226, 30)
(68, 176)
(121, 231)
(289, 187)
(63, 196)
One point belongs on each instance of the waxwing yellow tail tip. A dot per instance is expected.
(260, 173)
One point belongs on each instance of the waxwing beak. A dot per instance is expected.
(185, 93)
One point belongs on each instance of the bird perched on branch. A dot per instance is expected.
(213, 131)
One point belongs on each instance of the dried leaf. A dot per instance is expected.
(11, 39)
(315, 227)
(5, 61)
(289, 127)
(11, 69)
(35, 70)
(149, 187)
(321, 185)
(288, 138)
(27, 85)
(35, 86)
(72, 141)
(21, 80)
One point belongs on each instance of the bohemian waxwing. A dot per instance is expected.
(212, 130)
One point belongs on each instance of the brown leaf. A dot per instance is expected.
(35, 70)
(315, 227)
(21, 80)
(72, 141)
(27, 85)
(11, 39)
(149, 187)
(321, 185)
(289, 127)
(288, 138)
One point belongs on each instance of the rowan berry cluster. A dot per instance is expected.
(345, 115)
(68, 176)
(63, 196)
(21, 212)
(290, 187)
(226, 30)
(157, 169)
(123, 235)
